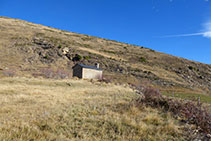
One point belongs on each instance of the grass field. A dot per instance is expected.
(190, 96)
(62, 110)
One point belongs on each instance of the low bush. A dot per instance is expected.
(152, 50)
(77, 57)
(190, 111)
(106, 80)
(47, 73)
(142, 59)
(87, 57)
(190, 67)
(9, 72)
(60, 46)
(109, 51)
(46, 57)
(58, 74)
(61, 74)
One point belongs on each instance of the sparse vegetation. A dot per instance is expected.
(87, 57)
(87, 38)
(109, 51)
(142, 59)
(86, 45)
(190, 96)
(49, 30)
(152, 50)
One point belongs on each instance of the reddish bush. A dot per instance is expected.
(193, 113)
(106, 80)
(9, 72)
(61, 74)
(58, 74)
(47, 73)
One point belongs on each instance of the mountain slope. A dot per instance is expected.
(28, 49)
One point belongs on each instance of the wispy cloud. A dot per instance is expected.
(206, 32)
(207, 29)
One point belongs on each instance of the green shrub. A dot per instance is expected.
(77, 57)
(46, 57)
(109, 51)
(142, 59)
(151, 50)
(190, 67)
(60, 46)
(87, 57)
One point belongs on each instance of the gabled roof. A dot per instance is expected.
(88, 67)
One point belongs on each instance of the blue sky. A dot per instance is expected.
(177, 27)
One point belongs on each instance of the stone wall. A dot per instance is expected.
(92, 74)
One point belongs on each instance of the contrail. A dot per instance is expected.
(182, 35)
(204, 34)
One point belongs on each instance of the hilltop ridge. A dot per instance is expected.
(29, 49)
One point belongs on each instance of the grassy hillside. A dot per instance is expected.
(43, 109)
(28, 49)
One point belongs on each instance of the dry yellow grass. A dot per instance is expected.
(40, 109)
